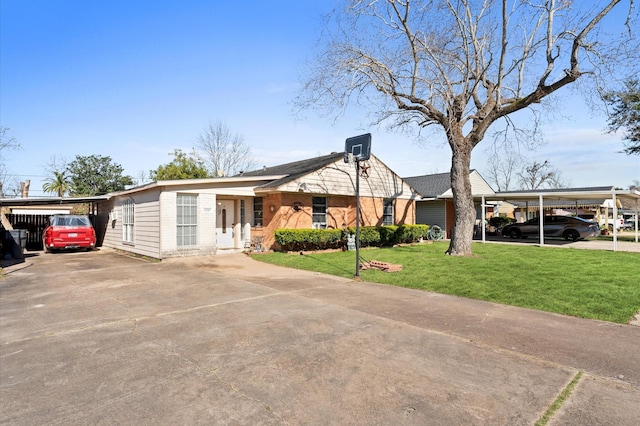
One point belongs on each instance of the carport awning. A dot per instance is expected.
(48, 201)
(572, 194)
(43, 201)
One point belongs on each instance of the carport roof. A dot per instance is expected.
(573, 194)
(48, 201)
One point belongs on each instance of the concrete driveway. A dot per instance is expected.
(102, 338)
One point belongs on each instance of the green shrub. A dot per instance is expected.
(500, 221)
(370, 236)
(308, 239)
(387, 235)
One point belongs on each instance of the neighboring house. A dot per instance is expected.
(436, 205)
(206, 216)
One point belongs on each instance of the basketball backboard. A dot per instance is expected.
(359, 147)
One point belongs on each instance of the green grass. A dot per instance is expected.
(560, 400)
(583, 283)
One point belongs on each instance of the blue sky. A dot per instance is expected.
(134, 80)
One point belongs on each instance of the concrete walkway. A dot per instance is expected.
(101, 338)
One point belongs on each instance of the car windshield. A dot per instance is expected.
(70, 221)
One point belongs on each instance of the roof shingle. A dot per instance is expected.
(430, 185)
(295, 169)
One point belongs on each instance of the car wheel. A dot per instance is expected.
(572, 235)
(514, 233)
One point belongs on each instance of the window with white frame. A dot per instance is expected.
(257, 211)
(127, 220)
(187, 220)
(387, 212)
(319, 212)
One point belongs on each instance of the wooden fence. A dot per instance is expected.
(34, 224)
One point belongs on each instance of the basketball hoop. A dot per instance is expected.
(359, 147)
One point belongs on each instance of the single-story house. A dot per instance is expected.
(206, 216)
(436, 205)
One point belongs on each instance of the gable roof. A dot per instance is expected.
(294, 170)
(439, 184)
(430, 186)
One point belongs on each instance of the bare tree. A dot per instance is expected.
(502, 166)
(539, 175)
(223, 153)
(461, 65)
(7, 141)
(56, 164)
(8, 184)
(143, 177)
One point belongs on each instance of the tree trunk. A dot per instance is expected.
(465, 212)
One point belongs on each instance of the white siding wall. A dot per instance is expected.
(339, 178)
(146, 229)
(167, 219)
(145, 224)
(478, 185)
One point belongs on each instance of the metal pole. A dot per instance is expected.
(357, 219)
(541, 220)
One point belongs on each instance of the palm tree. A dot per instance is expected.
(59, 183)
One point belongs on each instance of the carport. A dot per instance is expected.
(36, 221)
(573, 194)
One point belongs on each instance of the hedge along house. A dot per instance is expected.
(436, 205)
(207, 216)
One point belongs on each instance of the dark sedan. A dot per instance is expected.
(567, 227)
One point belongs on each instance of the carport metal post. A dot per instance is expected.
(541, 214)
(615, 222)
(484, 217)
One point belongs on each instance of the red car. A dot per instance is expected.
(69, 231)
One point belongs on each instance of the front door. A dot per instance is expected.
(225, 220)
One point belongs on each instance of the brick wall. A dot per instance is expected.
(294, 210)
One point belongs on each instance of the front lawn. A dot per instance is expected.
(584, 283)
